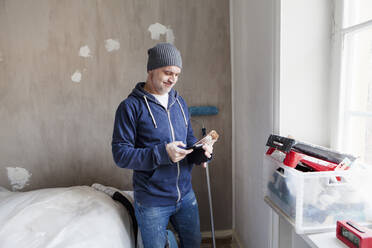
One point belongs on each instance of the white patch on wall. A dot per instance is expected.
(158, 29)
(84, 52)
(1, 57)
(76, 77)
(18, 177)
(170, 36)
(112, 45)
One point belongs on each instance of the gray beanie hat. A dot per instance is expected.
(163, 54)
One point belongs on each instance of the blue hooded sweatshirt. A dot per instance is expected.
(142, 129)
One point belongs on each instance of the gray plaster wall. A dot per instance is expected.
(60, 130)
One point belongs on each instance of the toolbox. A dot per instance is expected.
(314, 200)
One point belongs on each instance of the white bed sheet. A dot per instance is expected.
(74, 217)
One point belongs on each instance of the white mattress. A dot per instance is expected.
(75, 217)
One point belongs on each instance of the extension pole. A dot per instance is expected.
(210, 205)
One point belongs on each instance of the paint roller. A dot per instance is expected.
(205, 111)
(202, 111)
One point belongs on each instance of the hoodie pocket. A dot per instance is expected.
(164, 174)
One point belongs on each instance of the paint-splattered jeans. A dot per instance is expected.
(184, 216)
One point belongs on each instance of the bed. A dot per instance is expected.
(73, 217)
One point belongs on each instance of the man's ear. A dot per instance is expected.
(150, 74)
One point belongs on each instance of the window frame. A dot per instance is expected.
(339, 101)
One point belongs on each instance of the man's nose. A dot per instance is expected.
(173, 78)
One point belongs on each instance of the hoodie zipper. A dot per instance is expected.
(172, 133)
(178, 164)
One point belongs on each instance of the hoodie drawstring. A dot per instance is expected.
(184, 116)
(152, 116)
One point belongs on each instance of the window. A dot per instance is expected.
(355, 133)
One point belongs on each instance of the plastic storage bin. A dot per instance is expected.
(314, 201)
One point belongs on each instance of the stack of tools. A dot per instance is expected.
(307, 157)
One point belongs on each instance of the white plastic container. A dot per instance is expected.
(314, 201)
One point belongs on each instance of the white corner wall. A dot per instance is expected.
(252, 41)
(305, 53)
(305, 57)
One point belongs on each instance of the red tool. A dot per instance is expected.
(315, 157)
(354, 236)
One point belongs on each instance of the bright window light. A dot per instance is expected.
(357, 77)
(356, 12)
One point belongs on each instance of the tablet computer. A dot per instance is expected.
(192, 147)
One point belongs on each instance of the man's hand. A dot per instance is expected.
(175, 153)
(208, 152)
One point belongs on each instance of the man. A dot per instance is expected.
(151, 127)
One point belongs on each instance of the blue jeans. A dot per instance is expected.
(184, 216)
